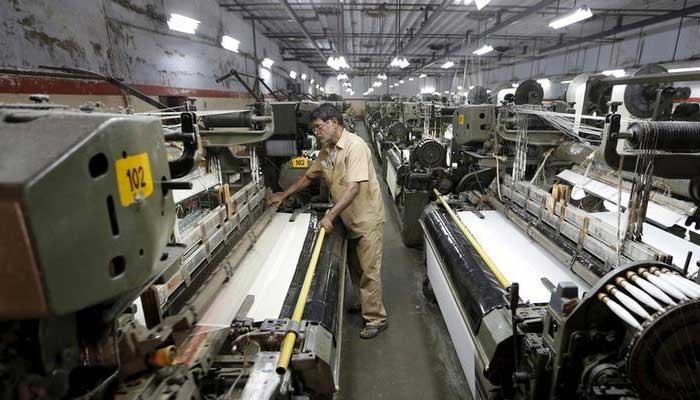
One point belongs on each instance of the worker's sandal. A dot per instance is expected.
(370, 331)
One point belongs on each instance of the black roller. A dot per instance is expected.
(676, 136)
(529, 92)
(476, 289)
(229, 120)
(322, 302)
(428, 153)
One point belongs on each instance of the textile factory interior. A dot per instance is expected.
(350, 199)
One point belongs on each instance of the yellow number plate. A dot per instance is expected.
(300, 162)
(460, 119)
(134, 179)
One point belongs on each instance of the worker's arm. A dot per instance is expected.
(343, 202)
(302, 183)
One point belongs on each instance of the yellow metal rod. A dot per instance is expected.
(291, 337)
(480, 250)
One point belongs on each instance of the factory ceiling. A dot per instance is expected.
(369, 34)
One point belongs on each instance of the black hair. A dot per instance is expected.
(325, 112)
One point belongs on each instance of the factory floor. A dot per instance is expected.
(414, 358)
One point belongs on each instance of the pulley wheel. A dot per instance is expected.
(664, 359)
(640, 97)
(428, 153)
(529, 92)
(397, 131)
(477, 95)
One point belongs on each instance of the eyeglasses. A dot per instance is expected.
(318, 127)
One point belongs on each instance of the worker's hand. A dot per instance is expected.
(327, 224)
(276, 199)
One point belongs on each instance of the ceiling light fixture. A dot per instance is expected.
(401, 81)
(410, 78)
(578, 15)
(311, 82)
(342, 77)
(399, 62)
(183, 24)
(487, 48)
(303, 77)
(422, 75)
(382, 77)
(544, 82)
(447, 65)
(229, 43)
(481, 4)
(337, 63)
(566, 81)
(377, 84)
(293, 74)
(617, 73)
(687, 69)
(267, 63)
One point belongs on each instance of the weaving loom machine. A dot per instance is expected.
(571, 275)
(142, 262)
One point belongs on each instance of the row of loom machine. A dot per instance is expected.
(624, 321)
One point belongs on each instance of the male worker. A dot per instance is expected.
(345, 162)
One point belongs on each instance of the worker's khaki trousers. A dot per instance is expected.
(365, 265)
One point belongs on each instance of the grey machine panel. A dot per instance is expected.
(67, 241)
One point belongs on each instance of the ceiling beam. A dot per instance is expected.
(525, 13)
(296, 19)
(624, 28)
(426, 24)
(269, 18)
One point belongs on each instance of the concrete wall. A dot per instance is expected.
(670, 43)
(130, 39)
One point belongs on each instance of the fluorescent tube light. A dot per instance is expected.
(422, 75)
(183, 24)
(229, 43)
(481, 4)
(566, 81)
(688, 69)
(617, 73)
(410, 78)
(576, 16)
(293, 74)
(267, 63)
(448, 64)
(487, 48)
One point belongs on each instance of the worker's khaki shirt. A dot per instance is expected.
(350, 160)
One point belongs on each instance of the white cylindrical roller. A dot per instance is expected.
(678, 284)
(664, 285)
(683, 281)
(639, 294)
(619, 311)
(628, 302)
(649, 288)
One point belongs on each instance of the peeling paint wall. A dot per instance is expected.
(130, 39)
